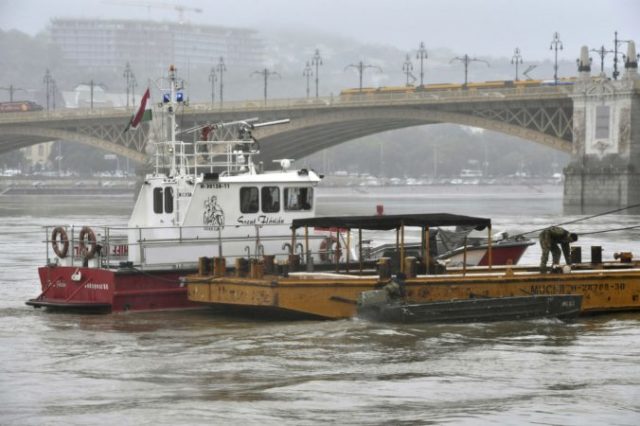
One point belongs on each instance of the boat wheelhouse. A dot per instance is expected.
(204, 196)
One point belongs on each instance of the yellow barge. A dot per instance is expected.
(605, 287)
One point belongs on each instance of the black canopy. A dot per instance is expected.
(387, 222)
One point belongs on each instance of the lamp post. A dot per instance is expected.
(516, 59)
(54, 89)
(47, 80)
(307, 72)
(616, 43)
(92, 86)
(221, 68)
(466, 60)
(213, 77)
(422, 55)
(602, 52)
(317, 61)
(130, 81)
(91, 94)
(407, 67)
(265, 73)
(360, 66)
(11, 89)
(556, 44)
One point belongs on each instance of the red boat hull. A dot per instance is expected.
(105, 290)
(505, 254)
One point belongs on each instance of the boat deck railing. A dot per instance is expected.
(194, 158)
(114, 245)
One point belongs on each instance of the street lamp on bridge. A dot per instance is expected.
(407, 67)
(92, 86)
(516, 59)
(213, 77)
(11, 89)
(616, 43)
(317, 61)
(221, 68)
(307, 72)
(556, 44)
(360, 66)
(54, 90)
(49, 85)
(466, 60)
(422, 55)
(131, 83)
(602, 52)
(265, 73)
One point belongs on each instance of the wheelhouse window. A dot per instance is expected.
(168, 200)
(298, 198)
(249, 200)
(163, 200)
(157, 200)
(270, 199)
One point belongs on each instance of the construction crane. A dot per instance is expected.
(181, 9)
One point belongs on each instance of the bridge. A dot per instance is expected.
(595, 119)
(542, 115)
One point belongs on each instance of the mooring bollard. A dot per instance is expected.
(204, 266)
(410, 266)
(576, 255)
(256, 269)
(219, 267)
(384, 268)
(269, 262)
(242, 267)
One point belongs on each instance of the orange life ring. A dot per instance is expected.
(87, 249)
(328, 247)
(59, 237)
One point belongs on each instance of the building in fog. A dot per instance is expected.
(37, 156)
(107, 44)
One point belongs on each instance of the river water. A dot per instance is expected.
(201, 367)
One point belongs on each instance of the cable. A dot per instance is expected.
(611, 230)
(581, 219)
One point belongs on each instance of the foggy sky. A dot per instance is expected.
(476, 27)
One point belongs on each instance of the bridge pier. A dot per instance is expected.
(604, 171)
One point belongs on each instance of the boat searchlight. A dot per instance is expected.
(285, 163)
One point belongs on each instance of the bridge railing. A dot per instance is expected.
(390, 98)
(65, 114)
(351, 100)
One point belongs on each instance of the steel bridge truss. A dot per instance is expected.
(556, 122)
(134, 139)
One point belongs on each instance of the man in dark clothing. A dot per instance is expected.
(550, 238)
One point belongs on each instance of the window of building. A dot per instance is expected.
(270, 199)
(249, 200)
(603, 115)
(157, 200)
(298, 198)
(168, 200)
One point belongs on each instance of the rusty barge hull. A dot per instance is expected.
(334, 296)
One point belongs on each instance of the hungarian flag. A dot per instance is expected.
(143, 113)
